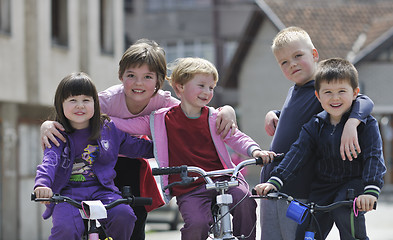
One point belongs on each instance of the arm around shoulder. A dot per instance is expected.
(362, 107)
(134, 126)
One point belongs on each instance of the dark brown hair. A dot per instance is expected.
(76, 84)
(336, 69)
(145, 51)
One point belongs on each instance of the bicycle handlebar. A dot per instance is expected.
(127, 199)
(233, 171)
(316, 207)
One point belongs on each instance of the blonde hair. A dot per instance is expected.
(184, 69)
(291, 34)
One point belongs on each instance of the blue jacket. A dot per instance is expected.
(55, 170)
(300, 106)
(319, 145)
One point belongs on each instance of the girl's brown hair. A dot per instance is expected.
(76, 84)
(145, 51)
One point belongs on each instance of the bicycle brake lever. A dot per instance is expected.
(185, 181)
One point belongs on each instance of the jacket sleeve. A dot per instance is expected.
(134, 126)
(46, 171)
(374, 163)
(241, 143)
(300, 153)
(362, 108)
(134, 147)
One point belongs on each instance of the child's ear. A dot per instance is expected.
(315, 55)
(178, 89)
(356, 92)
(317, 95)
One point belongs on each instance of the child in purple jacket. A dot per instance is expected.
(83, 167)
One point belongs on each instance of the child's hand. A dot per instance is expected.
(349, 140)
(267, 156)
(271, 121)
(264, 188)
(43, 192)
(226, 121)
(49, 129)
(365, 202)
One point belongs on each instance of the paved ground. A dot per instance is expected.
(379, 224)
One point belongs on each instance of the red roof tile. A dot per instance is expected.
(335, 25)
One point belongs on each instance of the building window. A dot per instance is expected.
(5, 16)
(59, 22)
(106, 27)
(189, 48)
(158, 5)
(129, 6)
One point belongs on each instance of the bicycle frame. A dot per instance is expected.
(93, 229)
(222, 229)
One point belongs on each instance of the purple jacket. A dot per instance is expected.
(55, 170)
(154, 125)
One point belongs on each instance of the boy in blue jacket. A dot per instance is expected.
(298, 59)
(336, 87)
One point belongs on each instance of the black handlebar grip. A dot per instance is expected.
(259, 161)
(278, 158)
(253, 192)
(169, 170)
(142, 201)
(33, 196)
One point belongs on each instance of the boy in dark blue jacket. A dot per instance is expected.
(336, 87)
(297, 57)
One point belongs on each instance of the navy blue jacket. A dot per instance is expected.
(319, 145)
(299, 107)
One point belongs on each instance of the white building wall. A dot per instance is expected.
(30, 70)
(55, 62)
(12, 55)
(262, 86)
(376, 81)
(103, 68)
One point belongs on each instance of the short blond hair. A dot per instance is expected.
(184, 69)
(291, 34)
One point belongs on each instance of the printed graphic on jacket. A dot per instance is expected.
(83, 163)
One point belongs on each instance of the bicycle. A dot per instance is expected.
(298, 210)
(221, 227)
(92, 213)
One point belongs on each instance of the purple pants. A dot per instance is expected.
(68, 223)
(195, 208)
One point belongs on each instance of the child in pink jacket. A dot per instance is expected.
(185, 135)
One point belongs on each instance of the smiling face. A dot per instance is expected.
(297, 61)
(139, 87)
(196, 93)
(79, 110)
(336, 98)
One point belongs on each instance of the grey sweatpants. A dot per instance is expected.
(274, 223)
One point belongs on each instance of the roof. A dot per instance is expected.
(351, 29)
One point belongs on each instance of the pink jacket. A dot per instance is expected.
(154, 125)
